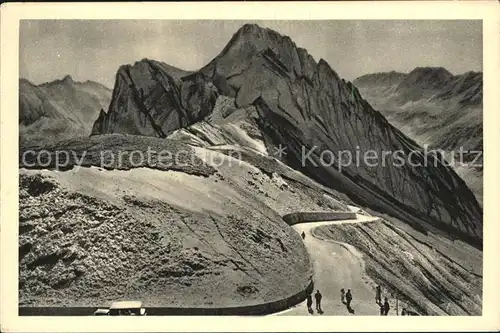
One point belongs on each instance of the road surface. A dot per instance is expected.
(336, 266)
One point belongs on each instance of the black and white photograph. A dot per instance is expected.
(256, 167)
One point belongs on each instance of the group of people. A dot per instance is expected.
(384, 307)
(318, 298)
(346, 298)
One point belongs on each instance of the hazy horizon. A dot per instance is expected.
(94, 49)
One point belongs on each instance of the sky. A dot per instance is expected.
(94, 49)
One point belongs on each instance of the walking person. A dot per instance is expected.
(386, 307)
(378, 295)
(318, 298)
(303, 235)
(342, 296)
(381, 306)
(309, 303)
(348, 298)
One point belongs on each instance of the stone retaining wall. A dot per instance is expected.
(303, 217)
(258, 309)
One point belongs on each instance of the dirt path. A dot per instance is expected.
(336, 266)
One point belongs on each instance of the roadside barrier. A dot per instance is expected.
(257, 309)
(303, 217)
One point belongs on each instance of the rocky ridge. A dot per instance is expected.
(436, 109)
(59, 109)
(151, 98)
(430, 105)
(301, 104)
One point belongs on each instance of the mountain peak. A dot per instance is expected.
(250, 27)
(299, 103)
(430, 77)
(381, 80)
(253, 42)
(25, 81)
(430, 70)
(68, 79)
(253, 28)
(142, 61)
(256, 34)
(324, 65)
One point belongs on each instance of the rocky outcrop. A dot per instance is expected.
(154, 99)
(114, 151)
(306, 107)
(101, 236)
(59, 109)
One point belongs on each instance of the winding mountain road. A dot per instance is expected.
(336, 266)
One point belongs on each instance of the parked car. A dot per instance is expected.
(101, 312)
(123, 308)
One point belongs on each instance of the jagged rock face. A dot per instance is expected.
(444, 116)
(59, 109)
(305, 105)
(253, 48)
(154, 99)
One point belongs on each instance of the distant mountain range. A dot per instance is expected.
(434, 107)
(59, 109)
(300, 104)
(430, 105)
